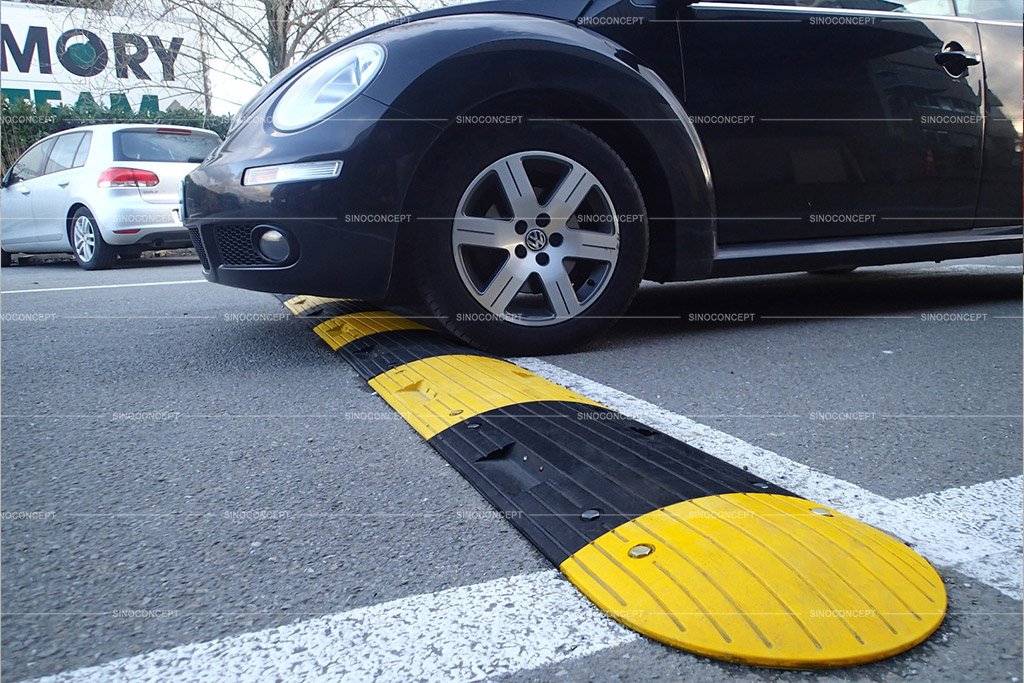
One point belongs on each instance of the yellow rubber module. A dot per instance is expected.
(435, 393)
(300, 304)
(762, 579)
(347, 328)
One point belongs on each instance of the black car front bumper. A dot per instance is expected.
(343, 232)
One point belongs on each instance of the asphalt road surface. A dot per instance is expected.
(194, 485)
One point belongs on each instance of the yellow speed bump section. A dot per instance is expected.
(301, 304)
(436, 393)
(347, 328)
(763, 579)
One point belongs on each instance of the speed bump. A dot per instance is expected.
(436, 393)
(663, 537)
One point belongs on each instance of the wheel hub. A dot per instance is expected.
(536, 239)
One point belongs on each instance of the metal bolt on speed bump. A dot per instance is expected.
(641, 551)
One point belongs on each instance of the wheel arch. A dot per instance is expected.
(538, 68)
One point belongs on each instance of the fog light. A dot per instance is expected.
(273, 245)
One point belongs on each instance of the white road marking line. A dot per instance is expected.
(937, 525)
(993, 509)
(968, 267)
(462, 634)
(973, 529)
(132, 284)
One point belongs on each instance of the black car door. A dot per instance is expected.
(1000, 194)
(835, 118)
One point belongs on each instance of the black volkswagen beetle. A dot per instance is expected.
(521, 165)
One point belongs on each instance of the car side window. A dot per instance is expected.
(62, 157)
(992, 10)
(83, 151)
(30, 165)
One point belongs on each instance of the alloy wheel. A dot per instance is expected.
(535, 238)
(85, 238)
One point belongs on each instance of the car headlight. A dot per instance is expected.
(328, 85)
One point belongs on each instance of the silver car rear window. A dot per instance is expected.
(174, 145)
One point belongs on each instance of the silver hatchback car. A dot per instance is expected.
(100, 191)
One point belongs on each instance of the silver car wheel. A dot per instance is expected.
(85, 238)
(535, 238)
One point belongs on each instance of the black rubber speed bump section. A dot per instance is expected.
(566, 473)
(663, 537)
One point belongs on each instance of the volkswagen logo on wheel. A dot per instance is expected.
(536, 240)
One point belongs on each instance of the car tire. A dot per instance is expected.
(5, 259)
(87, 244)
(575, 273)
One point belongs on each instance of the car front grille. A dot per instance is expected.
(197, 242)
(235, 245)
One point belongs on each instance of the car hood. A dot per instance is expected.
(562, 10)
(565, 10)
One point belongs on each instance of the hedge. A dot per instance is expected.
(23, 122)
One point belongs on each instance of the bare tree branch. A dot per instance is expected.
(263, 37)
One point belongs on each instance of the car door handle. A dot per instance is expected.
(956, 60)
(64, 184)
(25, 192)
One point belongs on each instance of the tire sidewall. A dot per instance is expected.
(459, 165)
